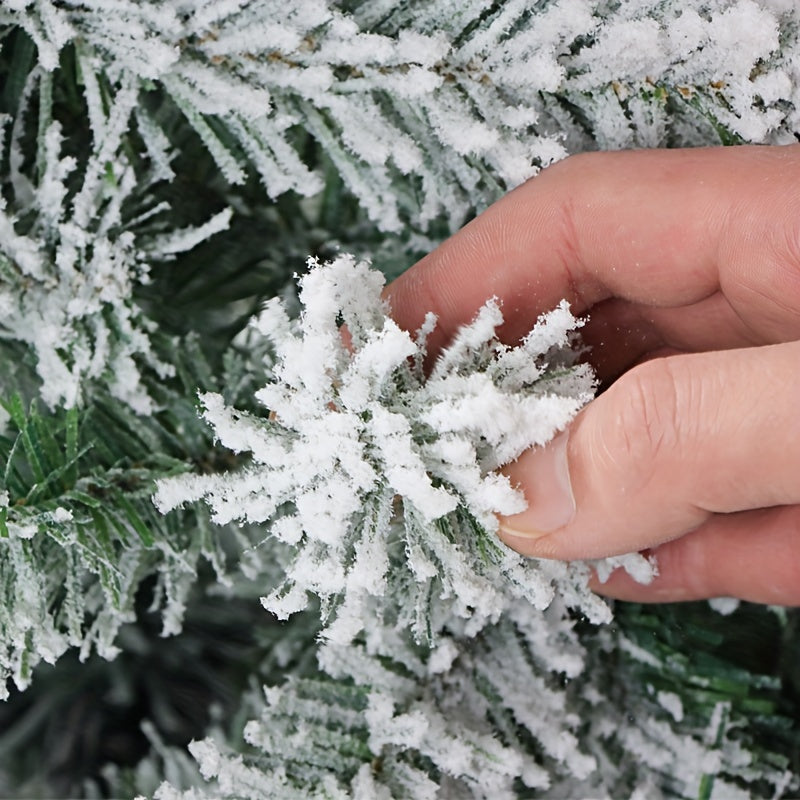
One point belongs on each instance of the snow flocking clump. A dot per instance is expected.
(374, 473)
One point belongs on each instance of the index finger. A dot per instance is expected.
(660, 228)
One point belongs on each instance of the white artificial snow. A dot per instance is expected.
(180, 241)
(62, 515)
(672, 703)
(724, 605)
(26, 531)
(725, 790)
(642, 569)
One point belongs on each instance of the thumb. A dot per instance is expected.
(673, 442)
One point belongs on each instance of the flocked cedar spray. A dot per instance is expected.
(240, 557)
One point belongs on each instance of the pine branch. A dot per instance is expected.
(94, 727)
(430, 113)
(79, 232)
(368, 470)
(386, 718)
(79, 533)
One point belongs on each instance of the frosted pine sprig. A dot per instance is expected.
(364, 463)
(71, 254)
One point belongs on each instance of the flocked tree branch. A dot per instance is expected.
(164, 167)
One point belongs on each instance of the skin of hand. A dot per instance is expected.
(687, 264)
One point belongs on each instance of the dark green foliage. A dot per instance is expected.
(58, 736)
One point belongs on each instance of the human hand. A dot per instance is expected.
(687, 263)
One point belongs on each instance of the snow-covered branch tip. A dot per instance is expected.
(365, 461)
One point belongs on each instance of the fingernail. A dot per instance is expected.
(544, 474)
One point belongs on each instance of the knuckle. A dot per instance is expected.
(780, 237)
(650, 406)
(688, 563)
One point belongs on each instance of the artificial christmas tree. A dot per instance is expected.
(184, 432)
